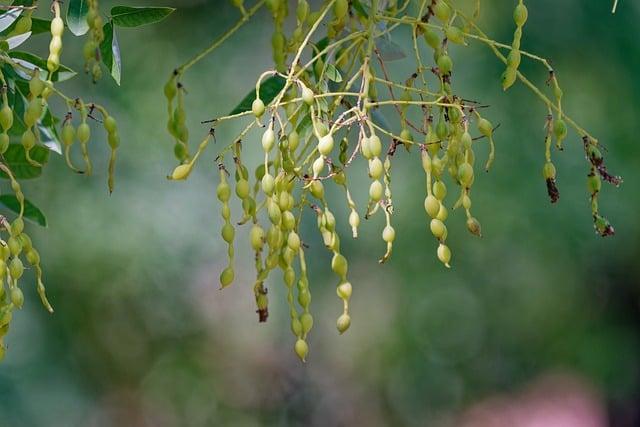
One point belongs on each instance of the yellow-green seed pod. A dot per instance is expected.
(302, 349)
(226, 277)
(455, 35)
(343, 323)
(268, 139)
(520, 14)
(344, 290)
(444, 254)
(375, 146)
(442, 11)
(17, 297)
(182, 172)
(388, 234)
(445, 64)
(258, 108)
(485, 127)
(376, 191)
(432, 206)
(325, 145)
(6, 117)
(438, 229)
(16, 268)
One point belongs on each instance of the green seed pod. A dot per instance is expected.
(268, 184)
(228, 233)
(268, 139)
(445, 64)
(307, 322)
(439, 190)
(308, 96)
(16, 269)
(223, 192)
(33, 257)
(302, 349)
(485, 127)
(6, 117)
(293, 241)
(442, 11)
(57, 27)
(17, 298)
(375, 168)
(226, 277)
(466, 202)
(560, 129)
(181, 172)
(33, 112)
(520, 15)
(465, 175)
(376, 191)
(110, 124)
(431, 38)
(594, 184)
(325, 145)
(344, 290)
(444, 254)
(242, 189)
(317, 190)
(455, 35)
(294, 140)
(170, 88)
(84, 133)
(549, 171)
(275, 216)
(388, 234)
(36, 85)
(509, 77)
(258, 108)
(68, 134)
(339, 265)
(302, 11)
(113, 139)
(15, 245)
(17, 226)
(443, 213)
(432, 206)
(288, 220)
(513, 59)
(375, 146)
(257, 237)
(438, 229)
(343, 323)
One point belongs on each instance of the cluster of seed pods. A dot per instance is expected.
(38, 87)
(13, 250)
(325, 114)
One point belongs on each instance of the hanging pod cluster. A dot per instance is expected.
(321, 108)
(30, 128)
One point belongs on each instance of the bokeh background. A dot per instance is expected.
(537, 324)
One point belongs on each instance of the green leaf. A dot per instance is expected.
(16, 160)
(125, 16)
(333, 74)
(110, 52)
(40, 26)
(359, 8)
(269, 89)
(77, 17)
(31, 211)
(32, 61)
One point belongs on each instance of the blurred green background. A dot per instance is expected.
(537, 323)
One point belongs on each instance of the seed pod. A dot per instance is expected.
(432, 206)
(16, 268)
(438, 229)
(302, 349)
(473, 225)
(226, 277)
(268, 139)
(181, 172)
(455, 35)
(6, 117)
(520, 14)
(444, 254)
(485, 127)
(375, 191)
(375, 146)
(431, 38)
(442, 11)
(258, 108)
(343, 323)
(17, 297)
(445, 64)
(325, 145)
